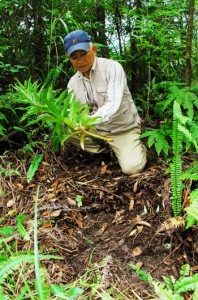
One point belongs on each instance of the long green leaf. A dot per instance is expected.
(34, 166)
(22, 231)
(36, 252)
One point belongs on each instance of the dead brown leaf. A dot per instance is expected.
(102, 229)
(55, 213)
(103, 168)
(131, 204)
(139, 221)
(51, 196)
(10, 203)
(18, 185)
(137, 251)
(133, 232)
(135, 186)
(79, 221)
(44, 163)
(119, 217)
(71, 202)
(139, 265)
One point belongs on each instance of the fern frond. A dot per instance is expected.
(176, 165)
(164, 293)
(191, 173)
(186, 284)
(172, 224)
(11, 264)
(195, 294)
(188, 135)
(191, 98)
(4, 296)
(189, 176)
(185, 97)
(192, 209)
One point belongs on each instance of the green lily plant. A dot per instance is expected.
(59, 111)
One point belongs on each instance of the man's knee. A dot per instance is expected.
(132, 169)
(134, 166)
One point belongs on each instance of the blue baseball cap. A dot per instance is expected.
(76, 40)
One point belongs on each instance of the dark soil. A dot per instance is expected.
(119, 223)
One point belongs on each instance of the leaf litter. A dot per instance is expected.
(121, 219)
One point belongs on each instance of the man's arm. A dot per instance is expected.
(116, 84)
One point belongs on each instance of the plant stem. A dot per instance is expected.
(97, 136)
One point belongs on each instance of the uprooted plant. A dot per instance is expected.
(58, 111)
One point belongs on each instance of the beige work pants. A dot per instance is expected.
(129, 150)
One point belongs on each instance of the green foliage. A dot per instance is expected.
(186, 97)
(180, 135)
(6, 230)
(184, 134)
(171, 289)
(192, 209)
(158, 138)
(176, 165)
(191, 173)
(60, 112)
(8, 172)
(79, 200)
(21, 229)
(186, 102)
(15, 264)
(8, 116)
(59, 292)
(34, 166)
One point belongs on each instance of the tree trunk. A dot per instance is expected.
(100, 30)
(188, 73)
(117, 21)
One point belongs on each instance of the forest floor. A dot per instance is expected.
(120, 221)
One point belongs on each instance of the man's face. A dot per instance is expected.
(83, 60)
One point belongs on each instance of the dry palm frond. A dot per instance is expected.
(172, 224)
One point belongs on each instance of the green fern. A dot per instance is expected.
(195, 294)
(176, 166)
(181, 134)
(171, 289)
(164, 293)
(192, 209)
(4, 296)
(186, 97)
(186, 284)
(12, 263)
(191, 173)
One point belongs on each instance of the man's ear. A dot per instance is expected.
(94, 48)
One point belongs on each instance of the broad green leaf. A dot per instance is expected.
(57, 290)
(74, 293)
(7, 230)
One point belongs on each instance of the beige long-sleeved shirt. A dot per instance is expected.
(108, 94)
(116, 84)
